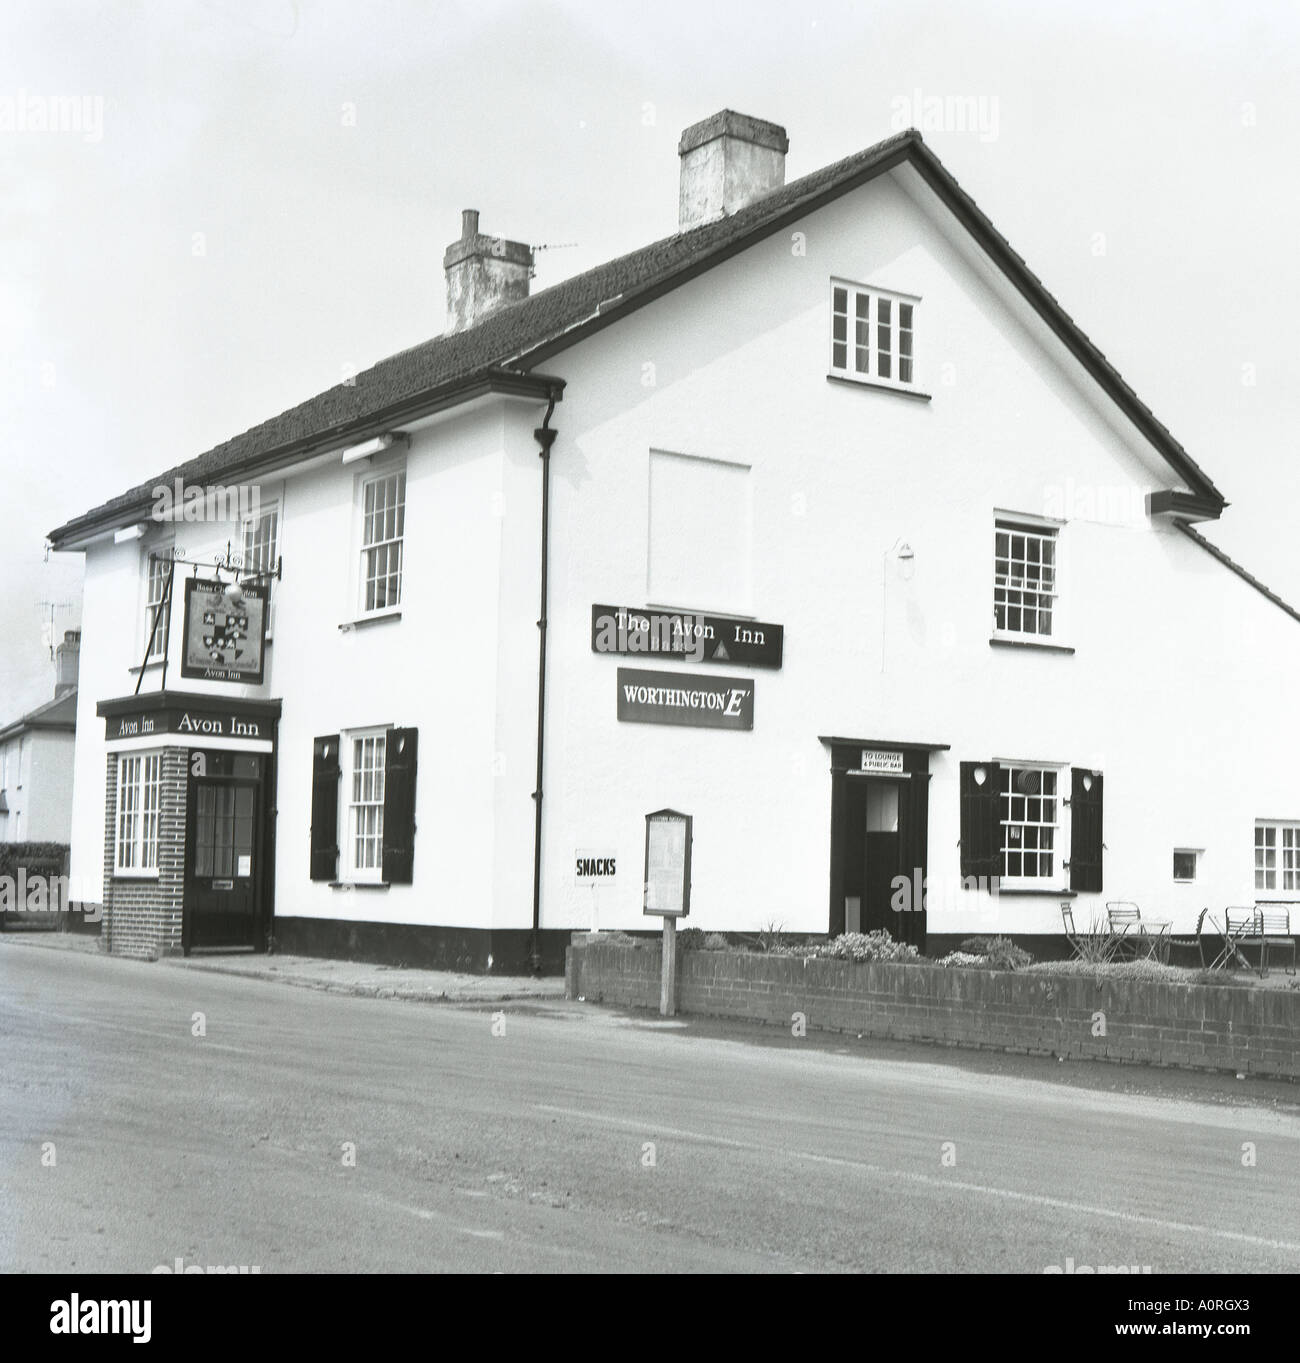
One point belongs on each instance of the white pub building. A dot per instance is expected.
(819, 521)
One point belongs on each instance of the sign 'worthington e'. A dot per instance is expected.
(685, 698)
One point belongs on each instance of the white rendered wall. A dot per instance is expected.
(1174, 654)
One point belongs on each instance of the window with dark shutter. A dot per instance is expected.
(399, 806)
(981, 842)
(1085, 831)
(325, 808)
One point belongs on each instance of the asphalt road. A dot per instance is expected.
(579, 1139)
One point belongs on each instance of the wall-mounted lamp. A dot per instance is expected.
(902, 552)
(381, 444)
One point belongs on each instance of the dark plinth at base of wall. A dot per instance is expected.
(479, 951)
(66, 920)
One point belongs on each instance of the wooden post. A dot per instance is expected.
(668, 979)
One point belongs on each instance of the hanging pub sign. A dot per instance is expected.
(685, 698)
(668, 837)
(225, 626)
(692, 637)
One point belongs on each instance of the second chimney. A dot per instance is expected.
(66, 659)
(728, 161)
(483, 273)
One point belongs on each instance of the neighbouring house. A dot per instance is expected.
(819, 521)
(36, 760)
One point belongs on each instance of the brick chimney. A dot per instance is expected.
(728, 161)
(67, 659)
(483, 273)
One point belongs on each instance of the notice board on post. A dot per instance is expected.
(668, 863)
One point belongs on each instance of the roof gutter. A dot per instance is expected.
(493, 381)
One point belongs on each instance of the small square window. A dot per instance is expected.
(1186, 864)
(872, 335)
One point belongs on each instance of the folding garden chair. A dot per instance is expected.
(1238, 923)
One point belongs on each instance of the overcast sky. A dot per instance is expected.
(261, 192)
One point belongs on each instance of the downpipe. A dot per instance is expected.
(545, 438)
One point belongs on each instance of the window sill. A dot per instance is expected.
(358, 884)
(149, 666)
(377, 618)
(135, 875)
(1031, 892)
(899, 388)
(998, 641)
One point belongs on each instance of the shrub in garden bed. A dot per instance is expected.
(864, 946)
(1120, 970)
(1000, 953)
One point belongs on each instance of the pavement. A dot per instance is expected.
(334, 977)
(151, 1112)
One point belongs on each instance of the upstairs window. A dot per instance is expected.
(1024, 579)
(872, 335)
(156, 604)
(262, 550)
(383, 526)
(262, 541)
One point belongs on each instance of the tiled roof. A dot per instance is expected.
(508, 344)
(1231, 563)
(59, 713)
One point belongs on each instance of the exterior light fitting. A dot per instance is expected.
(381, 444)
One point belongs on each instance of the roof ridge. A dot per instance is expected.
(515, 337)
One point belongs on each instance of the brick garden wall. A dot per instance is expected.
(142, 917)
(1217, 1027)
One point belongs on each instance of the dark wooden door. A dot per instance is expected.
(222, 870)
(879, 870)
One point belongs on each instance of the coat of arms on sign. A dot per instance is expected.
(228, 634)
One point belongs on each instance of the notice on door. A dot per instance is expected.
(245, 866)
(686, 699)
(879, 760)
